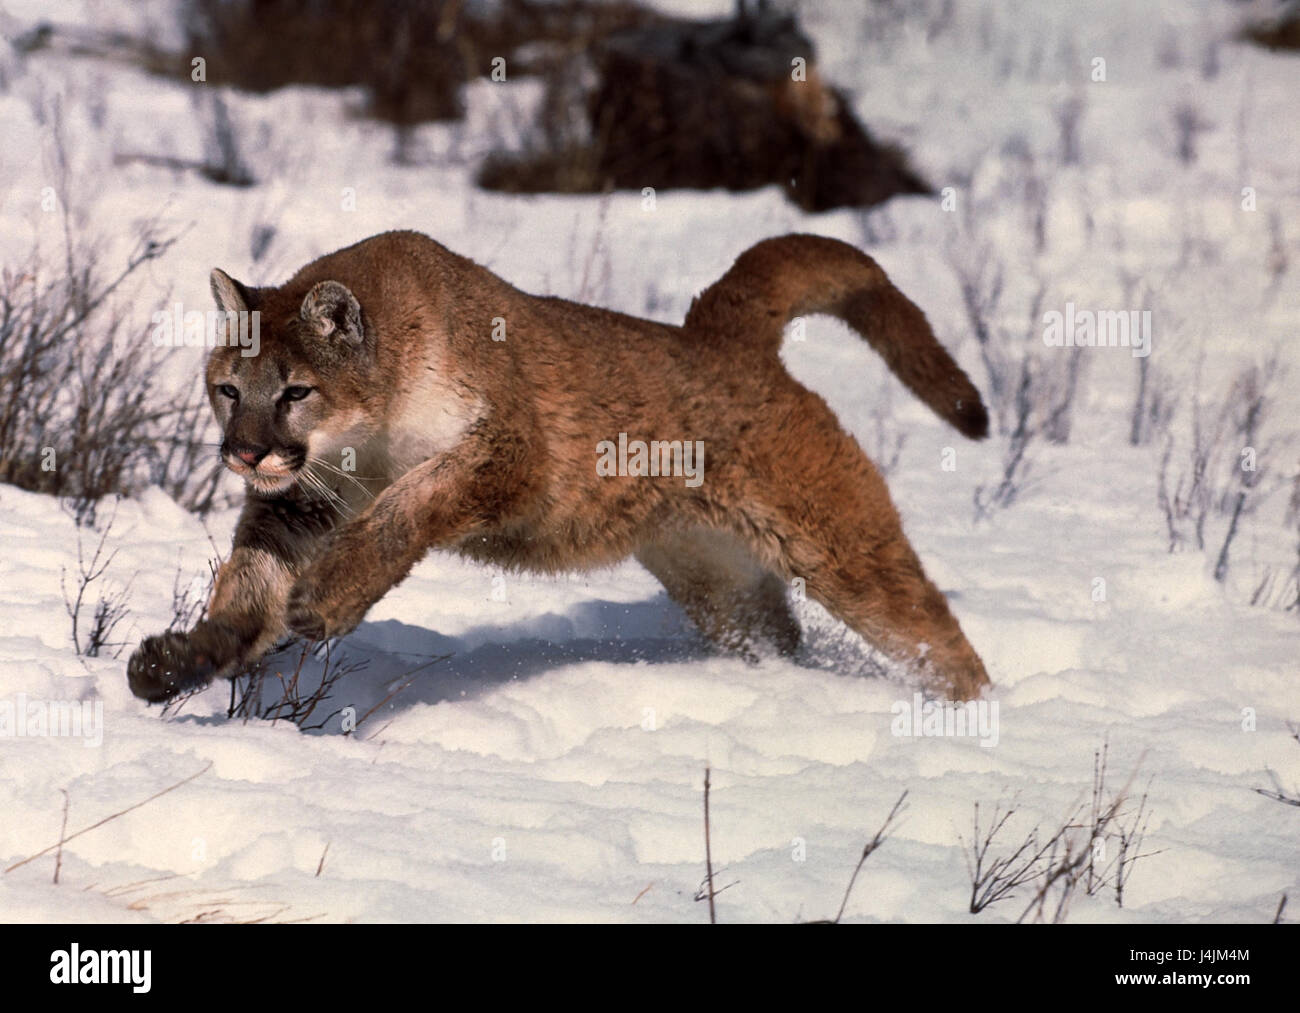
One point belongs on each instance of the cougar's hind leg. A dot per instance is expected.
(732, 598)
(833, 524)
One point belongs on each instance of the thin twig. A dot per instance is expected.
(58, 856)
(708, 851)
(871, 846)
(107, 819)
(412, 674)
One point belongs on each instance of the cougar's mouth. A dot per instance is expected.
(272, 474)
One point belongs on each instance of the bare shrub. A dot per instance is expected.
(1279, 587)
(1186, 487)
(1057, 393)
(997, 877)
(190, 598)
(1015, 461)
(1114, 821)
(110, 605)
(1024, 383)
(82, 412)
(980, 279)
(282, 686)
(1154, 405)
(1054, 865)
(1221, 467)
(1024, 182)
(1032, 389)
(297, 698)
(1154, 401)
(1059, 879)
(1248, 405)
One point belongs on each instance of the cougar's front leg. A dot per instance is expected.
(245, 617)
(437, 503)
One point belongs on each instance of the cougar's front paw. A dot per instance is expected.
(166, 665)
(314, 615)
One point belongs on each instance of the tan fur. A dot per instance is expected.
(489, 448)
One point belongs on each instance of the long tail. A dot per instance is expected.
(791, 276)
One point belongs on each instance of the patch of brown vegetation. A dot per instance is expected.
(711, 104)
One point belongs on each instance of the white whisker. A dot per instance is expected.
(315, 484)
(355, 480)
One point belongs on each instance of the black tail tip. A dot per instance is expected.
(971, 419)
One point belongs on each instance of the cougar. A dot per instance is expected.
(405, 399)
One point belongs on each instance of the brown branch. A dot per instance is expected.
(708, 851)
(58, 856)
(412, 674)
(107, 819)
(871, 846)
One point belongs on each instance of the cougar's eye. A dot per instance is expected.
(295, 393)
(226, 390)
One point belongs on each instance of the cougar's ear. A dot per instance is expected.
(231, 296)
(331, 309)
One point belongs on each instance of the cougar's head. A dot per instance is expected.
(289, 379)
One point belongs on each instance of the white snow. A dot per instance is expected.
(552, 767)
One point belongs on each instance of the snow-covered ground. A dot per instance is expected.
(552, 766)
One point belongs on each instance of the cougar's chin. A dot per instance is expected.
(270, 484)
(268, 478)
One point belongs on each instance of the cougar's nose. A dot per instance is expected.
(251, 455)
